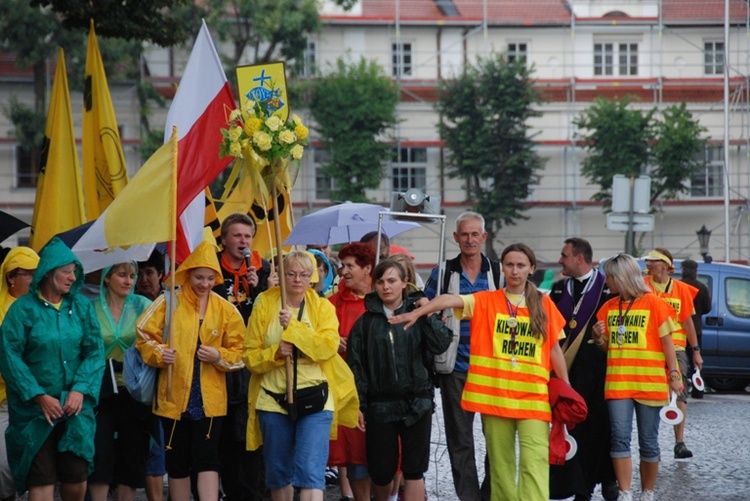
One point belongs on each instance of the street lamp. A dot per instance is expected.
(704, 235)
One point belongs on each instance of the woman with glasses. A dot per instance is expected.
(635, 329)
(514, 347)
(52, 359)
(304, 328)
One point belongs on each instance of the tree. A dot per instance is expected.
(631, 142)
(483, 121)
(157, 21)
(270, 29)
(354, 108)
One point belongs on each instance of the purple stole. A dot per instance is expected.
(588, 304)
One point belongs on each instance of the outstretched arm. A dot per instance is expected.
(438, 304)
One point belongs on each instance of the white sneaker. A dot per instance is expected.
(625, 496)
(647, 496)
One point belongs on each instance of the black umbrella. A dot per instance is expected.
(9, 225)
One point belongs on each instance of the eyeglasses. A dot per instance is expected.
(295, 276)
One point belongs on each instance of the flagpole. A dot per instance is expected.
(282, 285)
(172, 265)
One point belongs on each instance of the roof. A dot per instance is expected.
(528, 12)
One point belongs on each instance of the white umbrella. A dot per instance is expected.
(343, 223)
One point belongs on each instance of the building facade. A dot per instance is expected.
(663, 52)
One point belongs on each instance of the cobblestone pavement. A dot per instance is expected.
(718, 433)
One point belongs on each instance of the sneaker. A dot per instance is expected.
(681, 451)
(647, 496)
(625, 496)
(332, 476)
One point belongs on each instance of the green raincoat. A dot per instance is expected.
(48, 351)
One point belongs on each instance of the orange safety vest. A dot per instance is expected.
(496, 385)
(680, 296)
(635, 361)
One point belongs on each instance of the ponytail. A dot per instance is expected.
(536, 311)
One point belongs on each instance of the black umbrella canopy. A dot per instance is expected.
(10, 225)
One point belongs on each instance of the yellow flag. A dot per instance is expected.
(146, 209)
(264, 82)
(59, 198)
(259, 205)
(104, 171)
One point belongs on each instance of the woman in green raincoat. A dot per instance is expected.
(122, 424)
(52, 360)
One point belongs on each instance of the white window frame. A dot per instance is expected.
(517, 48)
(709, 182)
(402, 58)
(713, 57)
(616, 58)
(408, 170)
(310, 59)
(324, 184)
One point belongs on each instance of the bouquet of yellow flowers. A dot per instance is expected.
(255, 129)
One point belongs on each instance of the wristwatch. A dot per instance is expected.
(695, 348)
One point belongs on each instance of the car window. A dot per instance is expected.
(737, 291)
(705, 279)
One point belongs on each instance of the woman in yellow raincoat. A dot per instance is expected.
(296, 451)
(207, 343)
(16, 273)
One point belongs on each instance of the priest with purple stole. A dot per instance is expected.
(578, 296)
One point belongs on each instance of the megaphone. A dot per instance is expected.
(671, 414)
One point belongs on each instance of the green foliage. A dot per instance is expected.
(675, 155)
(354, 106)
(29, 125)
(157, 21)
(484, 114)
(622, 140)
(270, 29)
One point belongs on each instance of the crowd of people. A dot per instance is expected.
(273, 373)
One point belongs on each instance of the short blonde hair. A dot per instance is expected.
(301, 258)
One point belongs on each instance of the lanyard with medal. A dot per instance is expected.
(513, 324)
(589, 285)
(621, 322)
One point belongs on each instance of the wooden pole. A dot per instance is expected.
(282, 285)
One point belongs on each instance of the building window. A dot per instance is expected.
(26, 173)
(626, 55)
(713, 58)
(709, 181)
(324, 184)
(517, 51)
(401, 59)
(309, 60)
(409, 169)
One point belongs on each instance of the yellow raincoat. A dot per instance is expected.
(222, 328)
(322, 346)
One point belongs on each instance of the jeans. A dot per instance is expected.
(621, 420)
(296, 452)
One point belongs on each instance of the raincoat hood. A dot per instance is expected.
(103, 289)
(204, 256)
(328, 279)
(54, 255)
(18, 257)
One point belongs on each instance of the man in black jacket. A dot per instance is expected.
(702, 304)
(578, 297)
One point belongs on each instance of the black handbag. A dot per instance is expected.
(306, 400)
